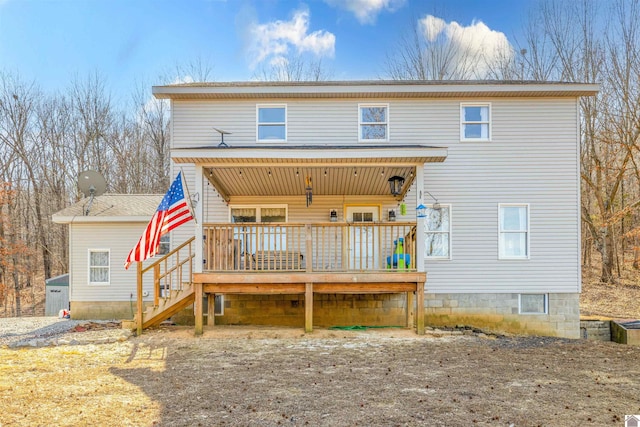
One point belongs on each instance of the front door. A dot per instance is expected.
(363, 237)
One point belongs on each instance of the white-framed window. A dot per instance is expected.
(475, 122)
(218, 306)
(268, 238)
(373, 122)
(437, 227)
(513, 225)
(271, 122)
(99, 266)
(533, 303)
(165, 245)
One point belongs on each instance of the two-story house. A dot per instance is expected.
(376, 203)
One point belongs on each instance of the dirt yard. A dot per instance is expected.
(253, 376)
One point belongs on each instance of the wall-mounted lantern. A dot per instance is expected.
(333, 215)
(395, 185)
(392, 215)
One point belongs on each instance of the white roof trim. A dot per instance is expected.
(382, 88)
(316, 154)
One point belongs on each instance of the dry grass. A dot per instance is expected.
(267, 377)
(620, 300)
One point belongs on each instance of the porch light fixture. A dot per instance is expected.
(395, 184)
(392, 215)
(333, 215)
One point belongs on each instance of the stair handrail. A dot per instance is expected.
(157, 276)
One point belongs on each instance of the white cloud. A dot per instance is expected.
(475, 47)
(366, 11)
(274, 39)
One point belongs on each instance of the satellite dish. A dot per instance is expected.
(222, 134)
(91, 184)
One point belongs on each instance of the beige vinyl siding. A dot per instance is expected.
(531, 159)
(118, 238)
(324, 122)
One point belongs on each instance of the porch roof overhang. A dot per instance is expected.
(334, 170)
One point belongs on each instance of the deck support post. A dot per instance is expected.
(410, 308)
(197, 308)
(308, 307)
(211, 309)
(139, 300)
(420, 308)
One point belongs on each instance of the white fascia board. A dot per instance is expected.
(312, 153)
(382, 88)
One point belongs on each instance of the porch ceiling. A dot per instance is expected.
(281, 171)
(290, 180)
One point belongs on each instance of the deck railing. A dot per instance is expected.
(320, 247)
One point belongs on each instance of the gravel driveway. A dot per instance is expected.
(47, 331)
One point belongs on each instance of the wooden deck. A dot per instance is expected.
(308, 284)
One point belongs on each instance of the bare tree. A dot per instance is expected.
(294, 69)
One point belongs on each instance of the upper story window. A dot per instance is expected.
(272, 122)
(438, 232)
(99, 266)
(514, 231)
(373, 120)
(475, 122)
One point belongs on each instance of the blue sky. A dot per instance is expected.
(136, 41)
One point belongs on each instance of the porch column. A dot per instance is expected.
(198, 248)
(419, 221)
(420, 250)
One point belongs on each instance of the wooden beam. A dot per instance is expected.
(258, 288)
(222, 191)
(308, 307)
(363, 288)
(293, 277)
(197, 308)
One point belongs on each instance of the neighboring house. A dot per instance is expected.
(99, 242)
(376, 203)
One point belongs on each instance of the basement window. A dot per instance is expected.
(533, 303)
(218, 307)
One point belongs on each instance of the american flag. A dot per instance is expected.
(172, 212)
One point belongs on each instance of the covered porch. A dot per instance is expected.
(302, 253)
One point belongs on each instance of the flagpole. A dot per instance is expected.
(186, 188)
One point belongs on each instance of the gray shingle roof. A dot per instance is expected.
(114, 205)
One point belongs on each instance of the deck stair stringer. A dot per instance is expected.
(176, 301)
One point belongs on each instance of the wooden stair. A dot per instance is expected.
(167, 307)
